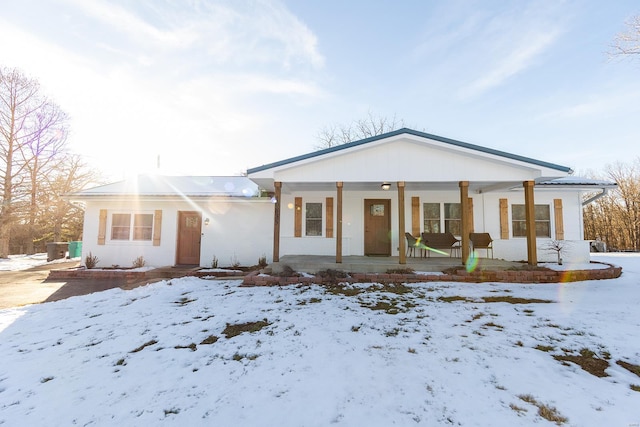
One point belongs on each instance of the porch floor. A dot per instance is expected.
(369, 264)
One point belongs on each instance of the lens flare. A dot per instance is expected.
(421, 245)
(472, 262)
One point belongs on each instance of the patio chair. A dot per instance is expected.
(441, 241)
(481, 241)
(412, 244)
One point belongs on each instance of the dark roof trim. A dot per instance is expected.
(414, 133)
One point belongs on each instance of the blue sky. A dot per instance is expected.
(216, 87)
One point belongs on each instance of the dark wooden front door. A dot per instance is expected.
(377, 227)
(189, 232)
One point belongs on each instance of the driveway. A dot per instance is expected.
(31, 286)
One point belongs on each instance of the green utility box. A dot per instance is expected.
(75, 249)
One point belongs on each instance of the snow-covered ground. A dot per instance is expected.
(23, 262)
(149, 357)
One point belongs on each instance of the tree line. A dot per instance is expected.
(36, 169)
(614, 218)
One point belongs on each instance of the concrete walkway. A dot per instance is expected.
(36, 285)
(32, 286)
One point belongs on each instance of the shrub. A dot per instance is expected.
(234, 261)
(287, 271)
(262, 261)
(214, 262)
(91, 261)
(139, 262)
(332, 276)
(400, 271)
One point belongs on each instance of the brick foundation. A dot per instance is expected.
(509, 276)
(135, 276)
(256, 279)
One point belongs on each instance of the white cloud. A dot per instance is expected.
(476, 47)
(260, 31)
(123, 20)
(520, 57)
(158, 90)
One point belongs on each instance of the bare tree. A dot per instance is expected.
(557, 246)
(627, 42)
(32, 132)
(42, 158)
(71, 175)
(330, 136)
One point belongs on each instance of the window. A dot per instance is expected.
(542, 218)
(453, 218)
(431, 217)
(121, 226)
(142, 226)
(313, 218)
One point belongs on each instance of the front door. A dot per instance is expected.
(189, 232)
(377, 227)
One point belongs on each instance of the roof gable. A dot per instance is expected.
(447, 141)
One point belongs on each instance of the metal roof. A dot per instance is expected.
(577, 181)
(162, 185)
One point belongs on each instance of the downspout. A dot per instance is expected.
(596, 197)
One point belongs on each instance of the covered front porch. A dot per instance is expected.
(350, 231)
(374, 264)
(361, 199)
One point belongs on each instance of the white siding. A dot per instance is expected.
(241, 232)
(237, 230)
(486, 219)
(405, 160)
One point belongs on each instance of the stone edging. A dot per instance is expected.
(509, 276)
(134, 276)
(96, 274)
(256, 279)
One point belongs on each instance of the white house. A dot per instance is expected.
(176, 220)
(353, 199)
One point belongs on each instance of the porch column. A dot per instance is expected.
(339, 222)
(464, 208)
(401, 240)
(276, 222)
(530, 218)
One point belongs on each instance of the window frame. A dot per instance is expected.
(319, 221)
(540, 224)
(118, 227)
(450, 220)
(432, 221)
(444, 221)
(139, 228)
(142, 228)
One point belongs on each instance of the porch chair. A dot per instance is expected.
(481, 241)
(441, 241)
(412, 244)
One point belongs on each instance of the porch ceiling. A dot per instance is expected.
(542, 183)
(476, 187)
